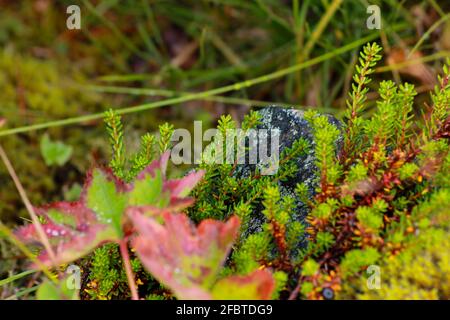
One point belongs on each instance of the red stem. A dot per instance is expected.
(126, 262)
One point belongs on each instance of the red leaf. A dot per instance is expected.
(173, 192)
(73, 228)
(181, 187)
(184, 258)
(76, 228)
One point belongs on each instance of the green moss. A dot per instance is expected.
(33, 91)
(422, 269)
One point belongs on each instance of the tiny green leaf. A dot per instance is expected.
(55, 153)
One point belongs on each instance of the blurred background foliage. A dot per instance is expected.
(48, 72)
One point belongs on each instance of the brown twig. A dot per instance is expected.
(126, 262)
(40, 231)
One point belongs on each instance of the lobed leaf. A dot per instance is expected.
(185, 258)
(76, 228)
(55, 152)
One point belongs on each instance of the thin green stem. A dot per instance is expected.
(200, 95)
(412, 62)
(427, 34)
(321, 26)
(115, 30)
(16, 277)
(22, 293)
(172, 93)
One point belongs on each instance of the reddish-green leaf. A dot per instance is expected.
(183, 257)
(76, 228)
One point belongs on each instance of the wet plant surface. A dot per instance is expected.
(89, 120)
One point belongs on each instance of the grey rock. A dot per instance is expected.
(292, 126)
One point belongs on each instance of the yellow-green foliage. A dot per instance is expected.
(105, 276)
(422, 270)
(424, 275)
(35, 91)
(39, 89)
(376, 212)
(378, 203)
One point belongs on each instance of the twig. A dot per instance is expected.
(40, 231)
(199, 95)
(128, 270)
(13, 239)
(294, 293)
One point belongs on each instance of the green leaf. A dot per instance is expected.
(51, 291)
(73, 193)
(104, 198)
(47, 291)
(55, 152)
(147, 191)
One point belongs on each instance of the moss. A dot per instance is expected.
(35, 91)
(38, 89)
(423, 275)
(422, 269)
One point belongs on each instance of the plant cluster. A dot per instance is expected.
(133, 203)
(381, 199)
(371, 205)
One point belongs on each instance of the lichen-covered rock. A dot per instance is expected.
(292, 126)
